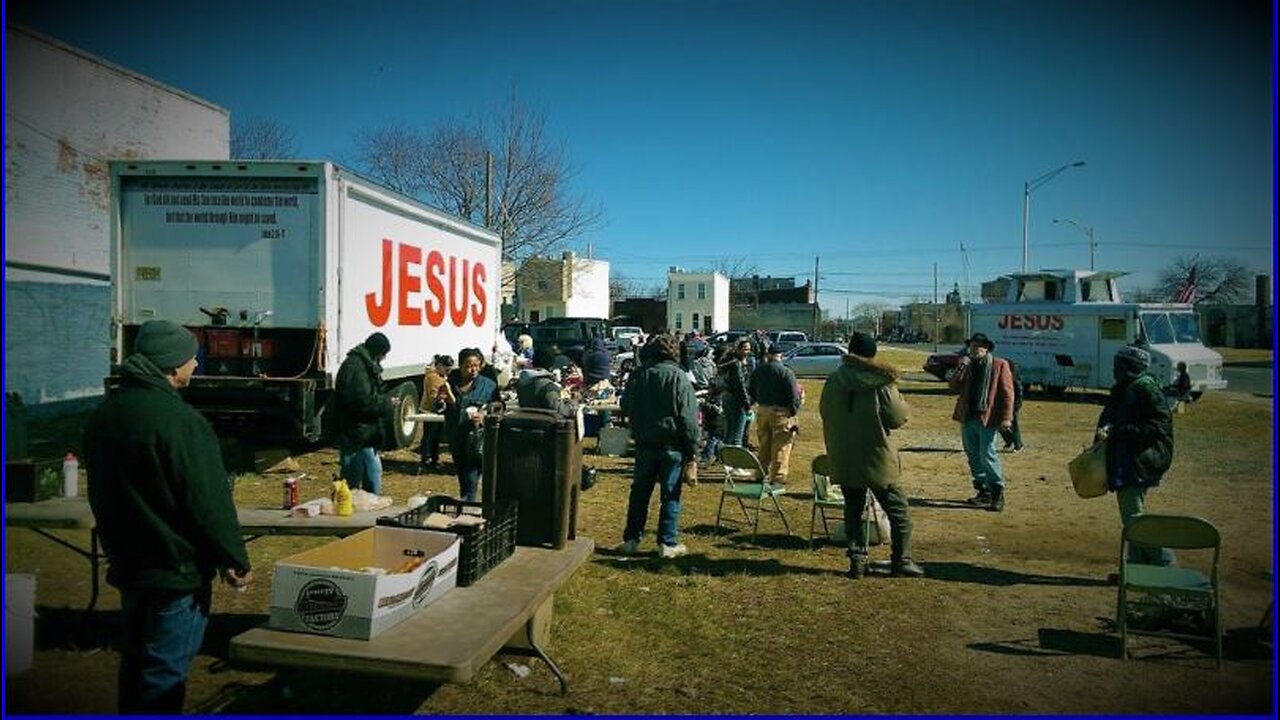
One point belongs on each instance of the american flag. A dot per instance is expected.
(1187, 293)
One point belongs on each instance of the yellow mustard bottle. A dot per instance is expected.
(341, 496)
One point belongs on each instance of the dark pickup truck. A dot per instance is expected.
(570, 334)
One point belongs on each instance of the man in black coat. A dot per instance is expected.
(360, 409)
(777, 396)
(162, 503)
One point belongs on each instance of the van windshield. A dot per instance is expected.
(1163, 328)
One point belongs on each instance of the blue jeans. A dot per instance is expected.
(735, 420)
(1132, 502)
(163, 630)
(661, 467)
(361, 468)
(980, 447)
(468, 478)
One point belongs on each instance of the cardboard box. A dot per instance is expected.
(325, 592)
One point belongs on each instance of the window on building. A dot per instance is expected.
(679, 319)
(543, 285)
(702, 295)
(694, 324)
(679, 291)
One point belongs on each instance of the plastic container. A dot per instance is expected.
(341, 495)
(70, 476)
(482, 547)
(19, 622)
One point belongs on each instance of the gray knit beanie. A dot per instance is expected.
(166, 344)
(1136, 357)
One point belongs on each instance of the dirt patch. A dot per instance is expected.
(1015, 616)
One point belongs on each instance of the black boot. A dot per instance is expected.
(997, 499)
(857, 566)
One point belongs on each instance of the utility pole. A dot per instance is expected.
(816, 311)
(936, 318)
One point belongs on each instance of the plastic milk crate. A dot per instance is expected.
(483, 547)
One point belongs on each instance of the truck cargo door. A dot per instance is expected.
(1113, 334)
(247, 244)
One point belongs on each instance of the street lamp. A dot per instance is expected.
(1087, 231)
(1027, 187)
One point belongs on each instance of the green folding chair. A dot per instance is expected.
(744, 481)
(826, 496)
(1166, 583)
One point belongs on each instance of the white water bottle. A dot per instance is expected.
(70, 476)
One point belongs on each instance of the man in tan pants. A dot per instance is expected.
(777, 395)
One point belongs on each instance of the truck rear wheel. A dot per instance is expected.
(405, 430)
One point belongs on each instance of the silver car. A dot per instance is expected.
(814, 359)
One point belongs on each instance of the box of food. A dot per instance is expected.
(359, 586)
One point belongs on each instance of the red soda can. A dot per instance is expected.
(291, 493)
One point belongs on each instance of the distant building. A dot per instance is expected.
(697, 301)
(1240, 326)
(570, 286)
(67, 113)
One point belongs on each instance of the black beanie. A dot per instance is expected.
(166, 344)
(862, 345)
(378, 345)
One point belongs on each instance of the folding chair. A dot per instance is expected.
(744, 479)
(1185, 584)
(825, 496)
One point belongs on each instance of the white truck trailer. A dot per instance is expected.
(282, 267)
(1063, 327)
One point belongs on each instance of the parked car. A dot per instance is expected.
(941, 365)
(623, 338)
(785, 340)
(727, 337)
(814, 359)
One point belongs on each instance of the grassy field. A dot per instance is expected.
(1014, 617)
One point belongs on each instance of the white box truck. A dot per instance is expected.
(1063, 327)
(282, 267)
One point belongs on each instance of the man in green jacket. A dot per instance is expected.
(860, 405)
(1138, 428)
(162, 503)
(663, 411)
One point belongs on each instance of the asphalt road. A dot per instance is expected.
(1248, 379)
(1253, 380)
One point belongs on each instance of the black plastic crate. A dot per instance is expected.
(482, 547)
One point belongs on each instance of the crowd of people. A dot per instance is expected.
(168, 526)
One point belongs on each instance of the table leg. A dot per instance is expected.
(92, 555)
(528, 642)
(93, 569)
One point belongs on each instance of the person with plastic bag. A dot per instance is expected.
(1138, 428)
(860, 406)
(468, 393)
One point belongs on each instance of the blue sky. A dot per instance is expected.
(877, 136)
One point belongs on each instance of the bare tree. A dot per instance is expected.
(1216, 279)
(532, 205)
(394, 155)
(261, 139)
